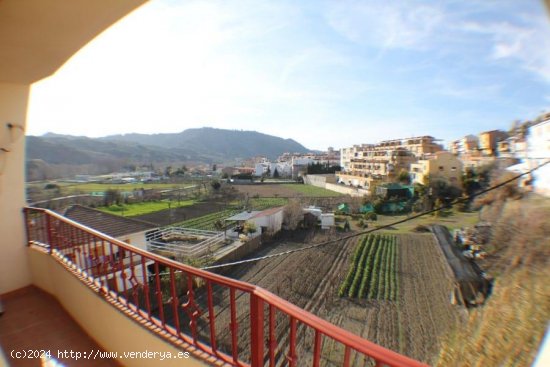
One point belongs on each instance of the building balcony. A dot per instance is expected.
(147, 303)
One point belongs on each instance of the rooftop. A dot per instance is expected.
(110, 224)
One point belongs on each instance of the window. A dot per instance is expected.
(441, 168)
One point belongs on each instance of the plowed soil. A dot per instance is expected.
(413, 325)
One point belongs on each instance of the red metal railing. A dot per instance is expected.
(236, 322)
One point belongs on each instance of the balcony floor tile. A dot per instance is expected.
(35, 320)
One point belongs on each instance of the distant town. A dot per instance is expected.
(358, 169)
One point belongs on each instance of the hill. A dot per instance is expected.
(220, 144)
(65, 155)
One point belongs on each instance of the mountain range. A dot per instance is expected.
(201, 145)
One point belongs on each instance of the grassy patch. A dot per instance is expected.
(208, 221)
(311, 191)
(453, 220)
(131, 210)
(266, 203)
(506, 331)
(98, 187)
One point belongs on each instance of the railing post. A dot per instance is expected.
(256, 331)
(49, 232)
(27, 225)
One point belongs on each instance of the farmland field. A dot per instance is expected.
(373, 269)
(285, 190)
(266, 203)
(135, 209)
(98, 187)
(314, 191)
(207, 222)
(411, 322)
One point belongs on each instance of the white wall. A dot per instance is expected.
(538, 142)
(272, 222)
(135, 239)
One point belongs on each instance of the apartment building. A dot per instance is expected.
(488, 141)
(442, 165)
(362, 164)
(469, 144)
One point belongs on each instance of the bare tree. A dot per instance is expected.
(292, 215)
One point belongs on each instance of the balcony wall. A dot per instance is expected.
(36, 38)
(109, 326)
(14, 270)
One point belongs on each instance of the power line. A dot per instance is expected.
(460, 200)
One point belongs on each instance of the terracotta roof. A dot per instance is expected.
(110, 224)
(268, 212)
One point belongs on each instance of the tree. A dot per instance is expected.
(292, 215)
(181, 171)
(276, 173)
(249, 227)
(404, 177)
(111, 197)
(215, 185)
(168, 171)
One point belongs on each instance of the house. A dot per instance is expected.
(128, 230)
(266, 221)
(101, 260)
(443, 166)
(269, 220)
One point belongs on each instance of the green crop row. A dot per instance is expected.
(208, 221)
(373, 270)
(266, 203)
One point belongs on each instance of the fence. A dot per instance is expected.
(235, 322)
(172, 239)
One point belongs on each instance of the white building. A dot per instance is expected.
(538, 152)
(284, 169)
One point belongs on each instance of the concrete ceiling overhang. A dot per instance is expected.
(38, 36)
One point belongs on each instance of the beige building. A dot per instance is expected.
(466, 145)
(440, 166)
(488, 141)
(362, 164)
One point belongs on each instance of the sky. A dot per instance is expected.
(324, 73)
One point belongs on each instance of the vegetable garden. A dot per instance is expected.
(373, 270)
(208, 221)
(410, 270)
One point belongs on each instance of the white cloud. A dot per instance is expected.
(405, 25)
(525, 42)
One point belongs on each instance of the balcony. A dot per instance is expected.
(149, 302)
(34, 320)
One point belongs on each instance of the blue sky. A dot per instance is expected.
(325, 73)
